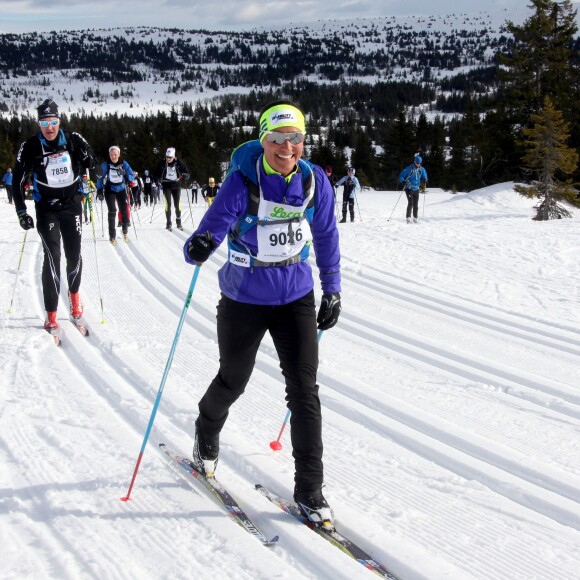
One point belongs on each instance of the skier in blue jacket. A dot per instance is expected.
(414, 178)
(7, 181)
(116, 175)
(272, 207)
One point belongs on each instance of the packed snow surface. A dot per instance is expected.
(450, 393)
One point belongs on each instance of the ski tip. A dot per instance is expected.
(258, 486)
(273, 541)
(162, 445)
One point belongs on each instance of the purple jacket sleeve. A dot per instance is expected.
(227, 207)
(325, 236)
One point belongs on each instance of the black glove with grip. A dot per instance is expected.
(100, 195)
(199, 248)
(26, 222)
(329, 312)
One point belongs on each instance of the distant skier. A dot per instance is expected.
(116, 174)
(414, 178)
(89, 190)
(350, 187)
(7, 181)
(209, 191)
(169, 173)
(56, 159)
(137, 192)
(331, 178)
(194, 190)
(147, 185)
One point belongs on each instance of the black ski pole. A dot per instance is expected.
(153, 208)
(397, 203)
(188, 203)
(18, 271)
(357, 206)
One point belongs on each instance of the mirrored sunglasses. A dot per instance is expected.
(52, 123)
(281, 138)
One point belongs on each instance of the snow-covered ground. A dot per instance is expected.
(449, 388)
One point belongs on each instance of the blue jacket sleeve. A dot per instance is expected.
(129, 175)
(404, 174)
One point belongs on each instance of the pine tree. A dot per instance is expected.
(364, 159)
(540, 63)
(399, 148)
(547, 154)
(7, 156)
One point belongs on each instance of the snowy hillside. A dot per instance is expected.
(450, 402)
(141, 70)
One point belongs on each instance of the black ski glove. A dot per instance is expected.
(100, 195)
(185, 176)
(329, 311)
(26, 222)
(199, 248)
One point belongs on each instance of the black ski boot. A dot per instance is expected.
(315, 507)
(205, 452)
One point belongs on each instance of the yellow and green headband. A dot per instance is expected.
(281, 116)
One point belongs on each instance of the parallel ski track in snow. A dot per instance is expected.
(120, 376)
(516, 382)
(507, 467)
(114, 383)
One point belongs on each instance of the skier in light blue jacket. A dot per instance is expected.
(414, 178)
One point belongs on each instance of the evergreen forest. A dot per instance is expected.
(469, 126)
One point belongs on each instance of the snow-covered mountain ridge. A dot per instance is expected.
(141, 69)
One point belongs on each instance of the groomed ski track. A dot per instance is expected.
(451, 412)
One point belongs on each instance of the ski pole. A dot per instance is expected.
(164, 378)
(357, 206)
(396, 204)
(93, 208)
(130, 206)
(153, 209)
(18, 271)
(188, 203)
(133, 222)
(97, 262)
(137, 212)
(102, 221)
(424, 194)
(276, 445)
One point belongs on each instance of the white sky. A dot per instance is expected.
(41, 15)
